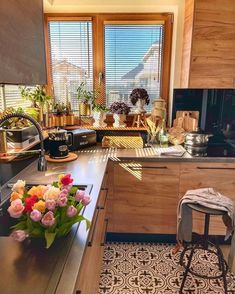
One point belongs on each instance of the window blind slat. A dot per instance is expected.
(71, 58)
(133, 58)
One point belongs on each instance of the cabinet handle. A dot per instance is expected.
(102, 206)
(146, 167)
(78, 292)
(213, 168)
(105, 232)
(90, 241)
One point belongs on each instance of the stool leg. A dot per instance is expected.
(206, 230)
(186, 271)
(223, 268)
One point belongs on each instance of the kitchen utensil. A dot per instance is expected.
(197, 139)
(59, 141)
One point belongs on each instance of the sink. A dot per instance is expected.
(6, 221)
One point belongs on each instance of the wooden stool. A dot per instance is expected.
(203, 244)
(139, 119)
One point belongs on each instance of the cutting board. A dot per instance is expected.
(188, 120)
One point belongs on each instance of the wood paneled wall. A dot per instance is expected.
(210, 38)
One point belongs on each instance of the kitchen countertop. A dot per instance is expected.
(26, 266)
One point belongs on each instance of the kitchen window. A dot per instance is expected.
(71, 57)
(114, 53)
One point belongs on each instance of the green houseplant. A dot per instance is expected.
(38, 98)
(99, 115)
(85, 98)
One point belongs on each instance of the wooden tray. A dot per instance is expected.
(72, 156)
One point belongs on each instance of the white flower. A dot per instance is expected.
(19, 186)
(51, 193)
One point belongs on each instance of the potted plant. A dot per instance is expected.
(99, 115)
(139, 97)
(69, 116)
(85, 98)
(59, 110)
(119, 110)
(38, 97)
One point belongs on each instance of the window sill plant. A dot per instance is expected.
(85, 98)
(119, 110)
(139, 97)
(46, 211)
(99, 115)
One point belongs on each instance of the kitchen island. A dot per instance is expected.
(28, 267)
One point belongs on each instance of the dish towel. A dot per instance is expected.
(208, 198)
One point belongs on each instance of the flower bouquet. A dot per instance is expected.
(46, 211)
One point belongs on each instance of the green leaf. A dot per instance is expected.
(55, 184)
(20, 226)
(50, 237)
(73, 190)
(88, 224)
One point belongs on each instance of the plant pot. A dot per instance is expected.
(69, 119)
(99, 118)
(84, 109)
(60, 120)
(119, 120)
(140, 106)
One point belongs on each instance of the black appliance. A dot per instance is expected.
(217, 117)
(82, 138)
(59, 141)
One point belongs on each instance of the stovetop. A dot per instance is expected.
(216, 149)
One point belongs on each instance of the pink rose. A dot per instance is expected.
(71, 211)
(79, 195)
(19, 235)
(62, 200)
(35, 215)
(86, 200)
(50, 204)
(48, 219)
(67, 188)
(16, 209)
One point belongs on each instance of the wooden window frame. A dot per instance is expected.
(98, 21)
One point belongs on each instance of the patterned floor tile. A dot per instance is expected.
(132, 268)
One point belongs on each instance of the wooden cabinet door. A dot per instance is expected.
(145, 197)
(220, 176)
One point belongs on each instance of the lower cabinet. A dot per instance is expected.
(220, 176)
(89, 273)
(145, 196)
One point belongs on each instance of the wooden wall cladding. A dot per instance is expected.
(22, 48)
(212, 61)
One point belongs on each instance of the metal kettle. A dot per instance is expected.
(59, 141)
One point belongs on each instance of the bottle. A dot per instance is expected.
(163, 136)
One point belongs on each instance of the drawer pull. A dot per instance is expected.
(78, 292)
(213, 168)
(102, 205)
(146, 167)
(105, 232)
(90, 241)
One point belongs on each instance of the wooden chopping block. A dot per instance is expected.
(183, 113)
(178, 122)
(190, 124)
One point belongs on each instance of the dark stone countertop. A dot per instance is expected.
(30, 268)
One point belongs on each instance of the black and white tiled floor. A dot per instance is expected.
(131, 268)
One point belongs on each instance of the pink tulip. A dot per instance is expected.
(62, 201)
(67, 188)
(16, 209)
(86, 200)
(71, 211)
(79, 195)
(35, 215)
(19, 235)
(48, 219)
(50, 204)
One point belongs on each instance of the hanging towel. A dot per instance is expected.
(208, 198)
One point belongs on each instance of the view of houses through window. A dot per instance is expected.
(71, 58)
(133, 58)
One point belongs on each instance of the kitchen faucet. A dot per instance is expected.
(42, 163)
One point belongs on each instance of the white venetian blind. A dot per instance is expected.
(133, 59)
(13, 98)
(71, 58)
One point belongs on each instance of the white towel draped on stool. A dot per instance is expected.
(208, 198)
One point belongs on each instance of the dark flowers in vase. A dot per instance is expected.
(119, 108)
(139, 93)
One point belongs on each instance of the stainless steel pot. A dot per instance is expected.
(197, 139)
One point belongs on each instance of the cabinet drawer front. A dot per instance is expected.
(220, 176)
